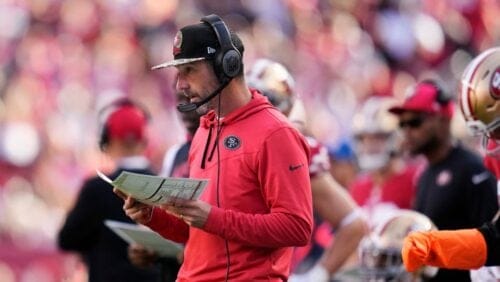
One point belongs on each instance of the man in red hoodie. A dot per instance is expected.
(257, 205)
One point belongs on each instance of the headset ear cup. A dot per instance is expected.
(104, 138)
(442, 96)
(231, 63)
(228, 60)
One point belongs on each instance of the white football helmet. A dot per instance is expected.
(480, 98)
(373, 120)
(380, 251)
(274, 81)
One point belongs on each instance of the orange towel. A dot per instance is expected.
(457, 249)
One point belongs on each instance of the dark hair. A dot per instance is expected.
(237, 42)
(241, 48)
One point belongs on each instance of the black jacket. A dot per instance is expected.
(104, 253)
(491, 233)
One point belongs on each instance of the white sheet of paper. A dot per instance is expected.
(138, 234)
(156, 190)
(104, 177)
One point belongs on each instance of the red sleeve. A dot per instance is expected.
(282, 168)
(320, 161)
(169, 226)
(360, 190)
(493, 165)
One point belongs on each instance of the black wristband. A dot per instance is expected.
(491, 235)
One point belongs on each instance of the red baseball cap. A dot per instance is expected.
(127, 122)
(426, 97)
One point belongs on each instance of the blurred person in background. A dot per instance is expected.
(175, 164)
(343, 165)
(123, 139)
(474, 247)
(321, 259)
(386, 180)
(248, 219)
(455, 190)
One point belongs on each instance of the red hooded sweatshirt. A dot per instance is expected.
(261, 200)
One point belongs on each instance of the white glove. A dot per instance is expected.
(316, 274)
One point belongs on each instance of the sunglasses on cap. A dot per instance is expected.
(415, 122)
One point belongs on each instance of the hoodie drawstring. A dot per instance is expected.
(216, 143)
(206, 147)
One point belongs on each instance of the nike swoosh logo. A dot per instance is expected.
(478, 178)
(294, 167)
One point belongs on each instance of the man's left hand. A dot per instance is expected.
(193, 212)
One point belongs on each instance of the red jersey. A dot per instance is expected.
(320, 161)
(399, 189)
(493, 165)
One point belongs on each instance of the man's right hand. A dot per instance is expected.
(137, 211)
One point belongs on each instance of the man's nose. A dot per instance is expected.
(181, 84)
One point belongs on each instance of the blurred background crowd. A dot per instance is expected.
(60, 61)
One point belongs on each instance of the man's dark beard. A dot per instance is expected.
(429, 146)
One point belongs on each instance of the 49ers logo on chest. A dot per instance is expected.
(495, 84)
(232, 142)
(443, 178)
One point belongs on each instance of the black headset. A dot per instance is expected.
(442, 96)
(228, 61)
(114, 106)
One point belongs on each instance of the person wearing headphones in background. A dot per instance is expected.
(257, 204)
(331, 202)
(455, 190)
(123, 138)
(473, 247)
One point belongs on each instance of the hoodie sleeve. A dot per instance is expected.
(282, 170)
(168, 226)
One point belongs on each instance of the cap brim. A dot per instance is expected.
(403, 109)
(397, 110)
(177, 62)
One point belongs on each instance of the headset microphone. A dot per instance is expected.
(188, 107)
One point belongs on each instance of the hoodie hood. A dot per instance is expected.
(258, 103)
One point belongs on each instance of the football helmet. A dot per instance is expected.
(274, 81)
(480, 98)
(374, 130)
(380, 251)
